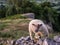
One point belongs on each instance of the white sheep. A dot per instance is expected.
(36, 26)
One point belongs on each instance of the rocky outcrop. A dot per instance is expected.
(41, 41)
(57, 39)
(29, 15)
(28, 41)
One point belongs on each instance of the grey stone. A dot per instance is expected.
(27, 41)
(27, 38)
(58, 43)
(20, 40)
(57, 38)
(29, 15)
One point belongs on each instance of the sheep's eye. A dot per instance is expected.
(33, 24)
(39, 24)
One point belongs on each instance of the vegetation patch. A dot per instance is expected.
(17, 16)
(14, 34)
(2, 26)
(16, 28)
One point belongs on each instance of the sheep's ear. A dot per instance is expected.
(33, 24)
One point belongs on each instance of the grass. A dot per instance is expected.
(16, 28)
(51, 35)
(14, 34)
(2, 26)
(17, 16)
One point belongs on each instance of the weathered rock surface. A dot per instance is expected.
(57, 39)
(29, 15)
(28, 41)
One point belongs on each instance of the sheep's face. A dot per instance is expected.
(37, 26)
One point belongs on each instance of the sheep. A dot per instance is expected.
(37, 26)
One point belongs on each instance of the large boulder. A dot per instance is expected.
(57, 38)
(29, 15)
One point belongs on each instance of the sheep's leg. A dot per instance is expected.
(30, 32)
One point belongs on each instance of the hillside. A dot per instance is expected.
(11, 28)
(15, 28)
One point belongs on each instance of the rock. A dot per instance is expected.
(40, 41)
(27, 38)
(20, 40)
(57, 43)
(49, 41)
(29, 15)
(57, 38)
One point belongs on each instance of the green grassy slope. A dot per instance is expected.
(15, 28)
